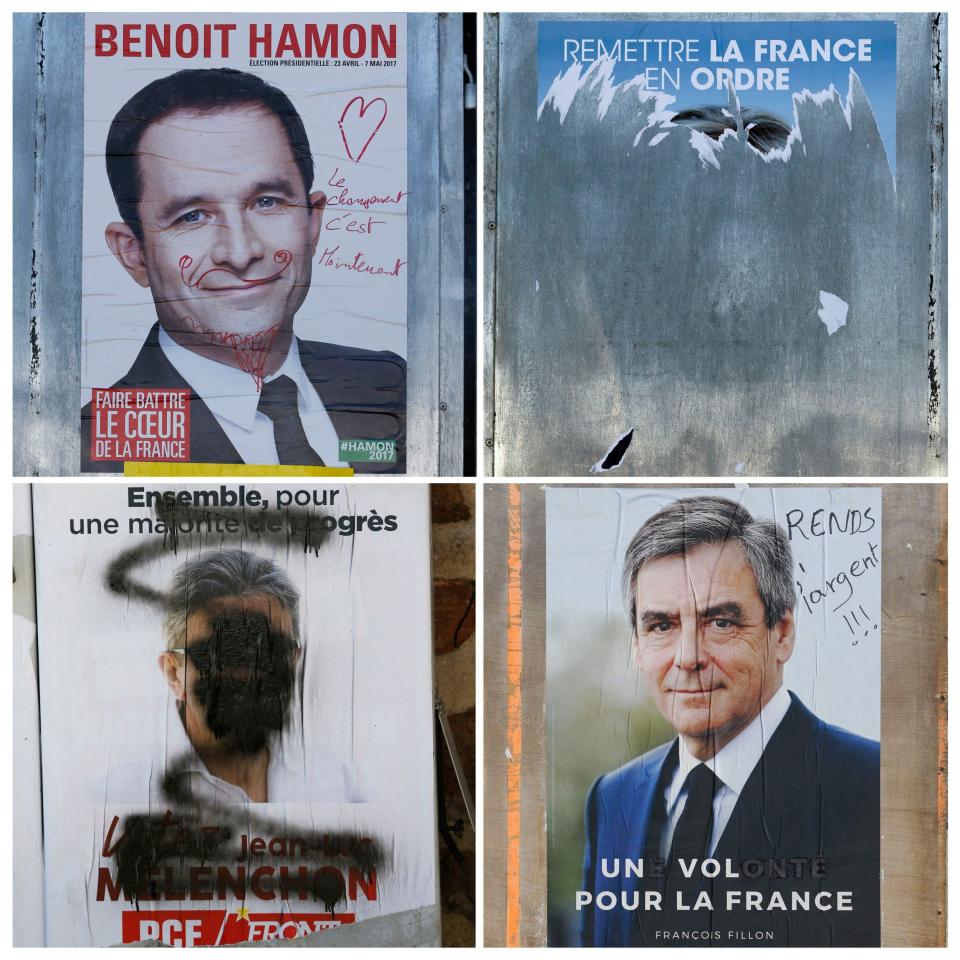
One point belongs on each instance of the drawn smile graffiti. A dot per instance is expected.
(283, 257)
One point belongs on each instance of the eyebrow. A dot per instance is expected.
(180, 203)
(650, 617)
(729, 610)
(279, 185)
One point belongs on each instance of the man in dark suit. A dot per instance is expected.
(759, 811)
(212, 173)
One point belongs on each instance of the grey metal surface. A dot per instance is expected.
(47, 217)
(640, 288)
(491, 142)
(413, 928)
(451, 227)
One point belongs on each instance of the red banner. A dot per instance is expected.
(136, 423)
(210, 928)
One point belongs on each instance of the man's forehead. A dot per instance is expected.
(199, 622)
(702, 573)
(213, 152)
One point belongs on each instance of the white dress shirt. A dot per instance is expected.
(732, 766)
(232, 397)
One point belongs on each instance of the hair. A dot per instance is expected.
(199, 91)
(764, 130)
(224, 573)
(693, 521)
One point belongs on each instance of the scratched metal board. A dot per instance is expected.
(47, 215)
(638, 286)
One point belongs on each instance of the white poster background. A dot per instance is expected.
(27, 850)
(342, 306)
(835, 666)
(367, 696)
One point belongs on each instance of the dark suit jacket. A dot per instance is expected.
(364, 391)
(814, 793)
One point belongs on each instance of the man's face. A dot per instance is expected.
(238, 673)
(703, 645)
(228, 232)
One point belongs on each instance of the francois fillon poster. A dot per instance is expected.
(713, 716)
(244, 241)
(236, 710)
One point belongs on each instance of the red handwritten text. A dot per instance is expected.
(329, 258)
(345, 199)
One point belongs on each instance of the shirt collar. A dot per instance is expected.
(180, 752)
(736, 761)
(230, 393)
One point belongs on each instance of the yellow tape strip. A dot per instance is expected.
(166, 469)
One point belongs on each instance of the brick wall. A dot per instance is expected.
(454, 619)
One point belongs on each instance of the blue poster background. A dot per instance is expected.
(878, 75)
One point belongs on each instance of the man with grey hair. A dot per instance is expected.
(233, 645)
(753, 781)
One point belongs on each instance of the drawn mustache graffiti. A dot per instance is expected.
(235, 282)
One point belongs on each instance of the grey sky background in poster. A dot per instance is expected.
(599, 714)
(343, 306)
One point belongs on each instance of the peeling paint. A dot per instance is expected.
(833, 312)
(615, 453)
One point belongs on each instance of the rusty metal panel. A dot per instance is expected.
(640, 287)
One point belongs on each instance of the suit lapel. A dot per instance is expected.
(636, 837)
(773, 796)
(208, 442)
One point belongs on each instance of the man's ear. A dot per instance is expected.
(784, 635)
(172, 669)
(125, 246)
(318, 201)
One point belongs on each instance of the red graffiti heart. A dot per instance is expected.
(360, 124)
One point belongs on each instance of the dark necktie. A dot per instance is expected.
(692, 834)
(278, 401)
(691, 840)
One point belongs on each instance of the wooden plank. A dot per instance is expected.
(913, 704)
(533, 807)
(494, 714)
(913, 728)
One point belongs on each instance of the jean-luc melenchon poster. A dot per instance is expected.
(244, 241)
(236, 710)
(713, 717)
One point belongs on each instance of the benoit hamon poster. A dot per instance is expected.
(713, 716)
(244, 241)
(236, 710)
